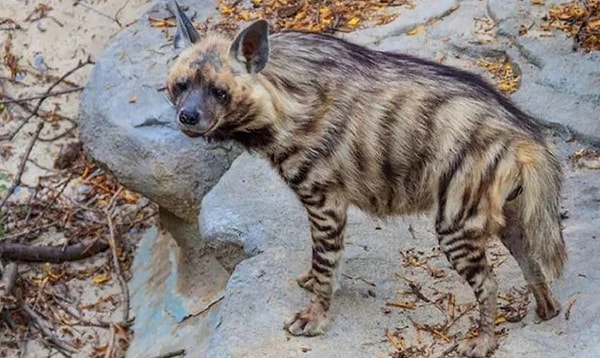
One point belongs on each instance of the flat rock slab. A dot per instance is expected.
(559, 85)
(165, 318)
(262, 291)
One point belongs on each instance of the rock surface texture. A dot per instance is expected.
(251, 209)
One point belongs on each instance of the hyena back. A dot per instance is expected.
(389, 133)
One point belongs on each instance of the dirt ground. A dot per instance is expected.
(76, 304)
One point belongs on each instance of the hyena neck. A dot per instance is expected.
(276, 131)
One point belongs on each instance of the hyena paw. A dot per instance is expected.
(307, 280)
(547, 309)
(313, 321)
(478, 347)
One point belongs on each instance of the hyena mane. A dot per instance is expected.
(389, 133)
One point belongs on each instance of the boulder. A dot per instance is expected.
(127, 125)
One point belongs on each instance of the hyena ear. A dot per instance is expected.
(251, 46)
(186, 34)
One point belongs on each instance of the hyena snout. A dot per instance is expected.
(192, 120)
(189, 117)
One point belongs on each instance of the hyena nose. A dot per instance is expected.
(189, 117)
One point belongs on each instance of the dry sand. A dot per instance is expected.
(70, 31)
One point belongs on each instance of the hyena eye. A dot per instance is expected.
(220, 94)
(181, 86)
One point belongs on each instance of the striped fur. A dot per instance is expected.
(393, 135)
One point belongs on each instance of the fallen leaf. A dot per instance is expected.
(400, 304)
(100, 279)
(522, 30)
(397, 342)
(416, 31)
(353, 21)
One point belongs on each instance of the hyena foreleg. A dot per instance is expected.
(465, 249)
(327, 215)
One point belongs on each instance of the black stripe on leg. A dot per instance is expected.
(321, 260)
(322, 269)
(328, 245)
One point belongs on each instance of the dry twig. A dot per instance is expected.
(17, 179)
(80, 65)
(117, 266)
(39, 321)
(177, 353)
(111, 342)
(9, 277)
(21, 252)
(51, 94)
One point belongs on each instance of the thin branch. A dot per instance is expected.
(111, 342)
(119, 12)
(25, 106)
(17, 179)
(51, 94)
(54, 254)
(449, 350)
(117, 266)
(80, 64)
(177, 353)
(49, 204)
(59, 136)
(9, 277)
(39, 321)
(31, 231)
(89, 7)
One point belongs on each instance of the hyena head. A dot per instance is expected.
(213, 83)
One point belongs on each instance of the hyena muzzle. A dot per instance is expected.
(390, 134)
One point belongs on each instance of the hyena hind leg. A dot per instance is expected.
(512, 237)
(465, 249)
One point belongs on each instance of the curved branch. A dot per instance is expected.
(54, 254)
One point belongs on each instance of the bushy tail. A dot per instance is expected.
(541, 176)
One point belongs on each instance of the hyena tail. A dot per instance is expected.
(541, 179)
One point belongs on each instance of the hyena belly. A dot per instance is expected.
(390, 134)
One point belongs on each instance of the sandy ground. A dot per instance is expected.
(45, 48)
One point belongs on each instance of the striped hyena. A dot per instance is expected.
(389, 133)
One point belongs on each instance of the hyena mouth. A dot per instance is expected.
(195, 133)
(191, 134)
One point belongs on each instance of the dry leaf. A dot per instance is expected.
(398, 342)
(400, 304)
(522, 30)
(100, 279)
(353, 21)
(416, 31)
(579, 21)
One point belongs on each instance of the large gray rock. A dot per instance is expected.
(559, 86)
(127, 125)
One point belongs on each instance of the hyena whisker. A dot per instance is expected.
(390, 134)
